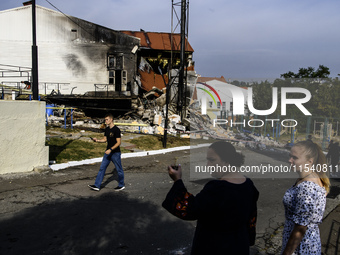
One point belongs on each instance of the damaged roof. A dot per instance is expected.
(151, 79)
(206, 79)
(159, 41)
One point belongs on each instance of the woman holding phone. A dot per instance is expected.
(225, 209)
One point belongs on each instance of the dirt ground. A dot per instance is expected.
(56, 213)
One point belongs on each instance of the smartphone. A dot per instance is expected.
(175, 167)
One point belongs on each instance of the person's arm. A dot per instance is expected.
(117, 144)
(175, 174)
(103, 140)
(109, 150)
(179, 202)
(294, 239)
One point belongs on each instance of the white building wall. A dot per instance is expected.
(22, 136)
(224, 91)
(66, 52)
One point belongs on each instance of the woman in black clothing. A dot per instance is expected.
(225, 209)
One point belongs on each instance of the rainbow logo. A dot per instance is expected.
(204, 110)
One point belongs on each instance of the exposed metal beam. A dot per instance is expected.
(35, 83)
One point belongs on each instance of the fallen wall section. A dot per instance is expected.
(22, 136)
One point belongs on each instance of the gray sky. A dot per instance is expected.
(237, 38)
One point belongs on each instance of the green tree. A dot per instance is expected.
(309, 72)
(262, 95)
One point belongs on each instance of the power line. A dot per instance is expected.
(75, 22)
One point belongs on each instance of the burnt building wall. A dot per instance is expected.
(71, 51)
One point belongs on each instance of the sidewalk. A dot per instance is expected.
(330, 233)
(55, 212)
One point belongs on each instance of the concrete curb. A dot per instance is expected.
(57, 167)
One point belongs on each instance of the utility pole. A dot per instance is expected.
(182, 23)
(165, 137)
(181, 82)
(35, 88)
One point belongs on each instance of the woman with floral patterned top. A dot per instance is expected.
(305, 201)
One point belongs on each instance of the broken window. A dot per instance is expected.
(111, 77)
(111, 61)
(124, 77)
(120, 62)
(115, 61)
(118, 78)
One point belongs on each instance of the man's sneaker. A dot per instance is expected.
(119, 188)
(93, 187)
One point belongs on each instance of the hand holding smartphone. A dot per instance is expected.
(175, 172)
(175, 167)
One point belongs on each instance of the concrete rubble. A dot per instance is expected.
(148, 117)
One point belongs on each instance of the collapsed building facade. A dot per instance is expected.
(158, 61)
(85, 65)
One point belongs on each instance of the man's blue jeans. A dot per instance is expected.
(116, 160)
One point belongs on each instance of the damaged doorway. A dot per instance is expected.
(117, 74)
(118, 78)
(118, 81)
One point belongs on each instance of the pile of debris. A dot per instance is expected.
(201, 126)
(148, 117)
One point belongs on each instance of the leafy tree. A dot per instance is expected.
(325, 101)
(240, 83)
(262, 95)
(322, 72)
(309, 72)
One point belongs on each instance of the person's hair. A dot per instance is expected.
(314, 151)
(227, 153)
(109, 115)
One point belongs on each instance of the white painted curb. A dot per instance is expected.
(57, 167)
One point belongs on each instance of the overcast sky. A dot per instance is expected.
(235, 38)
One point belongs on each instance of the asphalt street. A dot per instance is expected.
(56, 213)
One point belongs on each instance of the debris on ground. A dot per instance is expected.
(148, 117)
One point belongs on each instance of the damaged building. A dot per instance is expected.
(218, 108)
(86, 65)
(158, 63)
(74, 56)
(159, 53)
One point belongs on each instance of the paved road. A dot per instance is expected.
(56, 213)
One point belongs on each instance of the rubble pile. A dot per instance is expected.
(262, 142)
(201, 126)
(148, 117)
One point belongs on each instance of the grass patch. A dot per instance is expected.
(65, 150)
(149, 142)
(60, 129)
